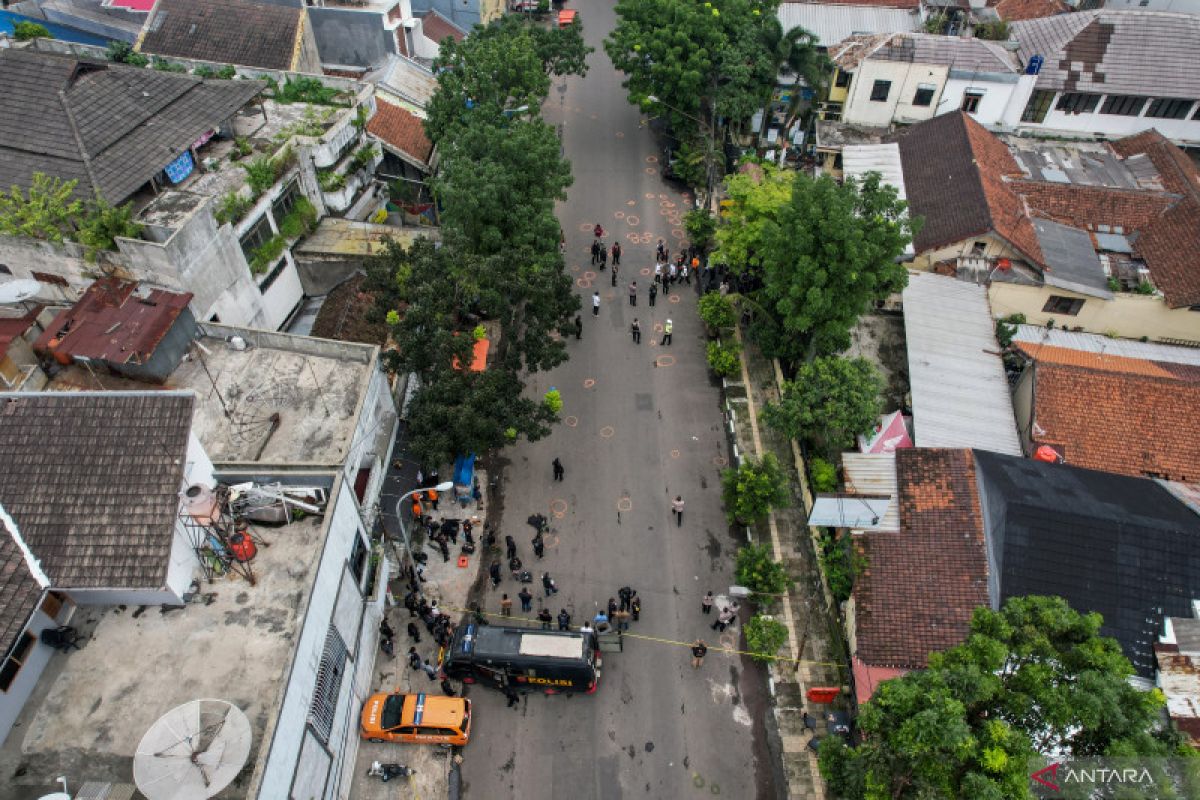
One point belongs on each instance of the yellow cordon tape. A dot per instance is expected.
(711, 649)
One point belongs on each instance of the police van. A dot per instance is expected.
(524, 659)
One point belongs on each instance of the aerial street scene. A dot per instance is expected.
(550, 399)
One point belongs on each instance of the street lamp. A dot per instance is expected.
(710, 141)
(444, 486)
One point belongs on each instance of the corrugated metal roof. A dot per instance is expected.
(1094, 343)
(833, 23)
(960, 396)
(874, 474)
(859, 159)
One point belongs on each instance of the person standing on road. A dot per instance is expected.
(616, 253)
(653, 293)
(625, 593)
(660, 252)
(494, 572)
(668, 326)
(636, 328)
(677, 510)
(635, 607)
(603, 256)
(699, 650)
(658, 273)
(510, 547)
(548, 584)
(505, 606)
(414, 632)
(564, 620)
(430, 670)
(514, 699)
(414, 658)
(706, 604)
(595, 304)
(723, 620)
(526, 598)
(545, 618)
(578, 327)
(559, 472)
(595, 250)
(632, 293)
(622, 620)
(615, 270)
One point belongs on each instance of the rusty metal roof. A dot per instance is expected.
(113, 323)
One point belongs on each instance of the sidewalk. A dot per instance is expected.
(449, 584)
(806, 608)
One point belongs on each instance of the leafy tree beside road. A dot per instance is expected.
(830, 400)
(1034, 678)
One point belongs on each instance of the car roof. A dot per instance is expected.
(432, 709)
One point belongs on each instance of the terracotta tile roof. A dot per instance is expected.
(1178, 171)
(401, 129)
(954, 172)
(437, 28)
(12, 328)
(1105, 362)
(1091, 206)
(20, 592)
(1130, 424)
(1016, 10)
(226, 31)
(920, 586)
(906, 4)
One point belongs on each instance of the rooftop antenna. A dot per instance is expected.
(200, 350)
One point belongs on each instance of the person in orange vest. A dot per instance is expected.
(417, 510)
(432, 496)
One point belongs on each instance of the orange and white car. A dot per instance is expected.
(417, 719)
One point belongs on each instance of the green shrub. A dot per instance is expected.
(227, 72)
(823, 474)
(232, 208)
(307, 90)
(752, 489)
(260, 174)
(700, 226)
(996, 31)
(300, 220)
(25, 30)
(267, 254)
(123, 53)
(480, 332)
(764, 636)
(162, 65)
(839, 562)
(716, 310)
(204, 71)
(362, 157)
(102, 223)
(757, 570)
(553, 401)
(723, 358)
(331, 181)
(1145, 287)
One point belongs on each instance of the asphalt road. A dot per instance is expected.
(642, 424)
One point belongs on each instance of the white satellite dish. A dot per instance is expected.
(19, 290)
(193, 751)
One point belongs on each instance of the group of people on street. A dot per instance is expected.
(727, 616)
(618, 614)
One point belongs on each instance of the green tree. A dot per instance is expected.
(764, 636)
(1034, 677)
(46, 211)
(826, 255)
(123, 53)
(754, 200)
(750, 490)
(830, 400)
(716, 310)
(102, 224)
(757, 570)
(700, 225)
(795, 52)
(25, 30)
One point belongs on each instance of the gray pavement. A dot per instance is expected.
(641, 425)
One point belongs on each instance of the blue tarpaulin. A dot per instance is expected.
(464, 473)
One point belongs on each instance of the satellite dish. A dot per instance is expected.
(193, 751)
(18, 290)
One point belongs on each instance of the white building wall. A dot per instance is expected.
(282, 296)
(1114, 127)
(860, 109)
(343, 526)
(1178, 6)
(995, 100)
(12, 701)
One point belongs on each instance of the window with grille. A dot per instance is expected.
(924, 94)
(329, 685)
(880, 91)
(1077, 102)
(842, 80)
(1169, 108)
(1038, 106)
(286, 201)
(1123, 105)
(258, 235)
(970, 101)
(1063, 305)
(15, 660)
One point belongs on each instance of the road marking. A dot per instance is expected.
(607, 431)
(625, 504)
(619, 214)
(589, 383)
(633, 220)
(665, 361)
(571, 422)
(674, 454)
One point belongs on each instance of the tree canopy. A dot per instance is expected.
(830, 400)
(822, 253)
(1034, 678)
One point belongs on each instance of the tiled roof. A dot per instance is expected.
(436, 27)
(19, 590)
(12, 328)
(92, 481)
(1017, 10)
(1178, 171)
(401, 129)
(1092, 206)
(1146, 53)
(226, 31)
(111, 127)
(920, 586)
(1030, 337)
(971, 55)
(954, 174)
(1104, 362)
(1131, 424)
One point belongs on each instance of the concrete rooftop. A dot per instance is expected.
(335, 236)
(92, 706)
(314, 385)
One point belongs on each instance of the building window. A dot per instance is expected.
(842, 80)
(1037, 107)
(4, 270)
(286, 201)
(16, 659)
(1077, 102)
(1123, 105)
(1063, 305)
(358, 559)
(978, 249)
(270, 277)
(880, 91)
(258, 235)
(924, 95)
(1169, 108)
(329, 685)
(971, 98)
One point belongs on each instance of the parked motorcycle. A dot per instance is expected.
(385, 772)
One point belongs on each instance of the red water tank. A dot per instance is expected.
(823, 694)
(242, 547)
